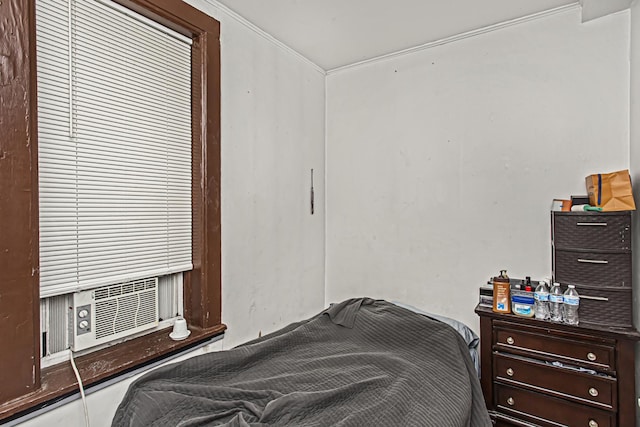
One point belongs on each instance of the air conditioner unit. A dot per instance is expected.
(112, 312)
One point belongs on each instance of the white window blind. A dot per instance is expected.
(114, 117)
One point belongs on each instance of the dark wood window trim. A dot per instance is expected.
(59, 380)
(23, 384)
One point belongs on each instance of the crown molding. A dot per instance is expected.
(594, 9)
(263, 34)
(461, 36)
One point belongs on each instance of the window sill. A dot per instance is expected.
(59, 381)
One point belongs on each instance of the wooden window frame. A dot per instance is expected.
(23, 385)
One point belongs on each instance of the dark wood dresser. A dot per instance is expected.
(538, 373)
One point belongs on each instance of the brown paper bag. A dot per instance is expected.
(611, 191)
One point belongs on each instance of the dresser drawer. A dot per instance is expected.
(595, 231)
(592, 268)
(599, 356)
(605, 306)
(598, 391)
(549, 411)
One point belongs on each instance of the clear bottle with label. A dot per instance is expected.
(541, 295)
(570, 305)
(555, 302)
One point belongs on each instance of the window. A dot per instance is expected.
(114, 146)
(19, 200)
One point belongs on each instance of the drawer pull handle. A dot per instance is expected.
(594, 298)
(510, 401)
(593, 261)
(599, 224)
(592, 357)
(510, 372)
(510, 340)
(593, 392)
(593, 423)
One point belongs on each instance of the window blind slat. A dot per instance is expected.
(115, 147)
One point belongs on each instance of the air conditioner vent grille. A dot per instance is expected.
(106, 312)
(101, 294)
(119, 310)
(124, 288)
(147, 303)
(128, 306)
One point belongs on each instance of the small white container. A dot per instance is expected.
(180, 330)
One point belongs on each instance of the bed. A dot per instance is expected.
(362, 362)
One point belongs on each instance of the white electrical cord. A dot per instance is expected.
(81, 387)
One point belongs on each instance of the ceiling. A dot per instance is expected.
(335, 33)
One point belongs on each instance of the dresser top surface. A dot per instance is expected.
(618, 333)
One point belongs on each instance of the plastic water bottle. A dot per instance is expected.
(555, 300)
(541, 295)
(571, 302)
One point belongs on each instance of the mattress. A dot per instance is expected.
(362, 362)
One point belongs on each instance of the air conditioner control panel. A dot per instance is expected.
(83, 319)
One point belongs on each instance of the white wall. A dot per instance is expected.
(272, 136)
(273, 249)
(442, 164)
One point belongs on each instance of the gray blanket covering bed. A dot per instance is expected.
(362, 362)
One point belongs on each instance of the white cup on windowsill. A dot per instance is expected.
(180, 330)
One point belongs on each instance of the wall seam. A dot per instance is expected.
(326, 188)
